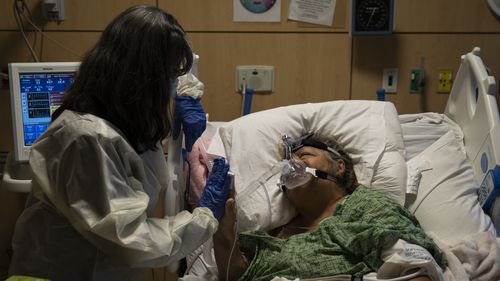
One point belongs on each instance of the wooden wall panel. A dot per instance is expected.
(7, 19)
(217, 15)
(12, 49)
(372, 55)
(92, 14)
(6, 134)
(445, 16)
(68, 46)
(308, 68)
(79, 15)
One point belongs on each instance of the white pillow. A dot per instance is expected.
(422, 129)
(446, 202)
(369, 131)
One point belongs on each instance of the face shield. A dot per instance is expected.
(173, 88)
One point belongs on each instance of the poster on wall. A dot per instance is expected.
(312, 11)
(256, 10)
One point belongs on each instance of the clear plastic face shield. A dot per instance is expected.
(173, 87)
(295, 172)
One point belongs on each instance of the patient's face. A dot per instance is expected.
(316, 158)
(313, 158)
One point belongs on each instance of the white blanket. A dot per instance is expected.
(476, 257)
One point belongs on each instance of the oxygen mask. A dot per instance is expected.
(294, 173)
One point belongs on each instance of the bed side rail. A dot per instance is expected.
(472, 105)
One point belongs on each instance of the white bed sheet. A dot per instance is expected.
(421, 130)
(444, 193)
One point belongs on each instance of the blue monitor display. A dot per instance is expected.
(41, 95)
(36, 91)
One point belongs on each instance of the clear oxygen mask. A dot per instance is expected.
(294, 173)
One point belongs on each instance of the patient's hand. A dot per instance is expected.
(226, 224)
(224, 240)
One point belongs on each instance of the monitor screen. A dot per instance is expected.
(36, 91)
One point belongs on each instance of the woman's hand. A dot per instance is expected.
(217, 188)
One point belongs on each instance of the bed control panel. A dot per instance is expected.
(490, 189)
(489, 196)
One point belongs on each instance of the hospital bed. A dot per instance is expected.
(444, 167)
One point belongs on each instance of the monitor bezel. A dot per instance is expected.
(21, 151)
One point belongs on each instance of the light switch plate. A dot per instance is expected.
(390, 80)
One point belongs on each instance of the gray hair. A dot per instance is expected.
(348, 181)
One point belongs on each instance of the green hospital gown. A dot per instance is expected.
(349, 242)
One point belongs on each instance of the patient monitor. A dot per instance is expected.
(36, 91)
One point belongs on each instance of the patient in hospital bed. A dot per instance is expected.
(341, 227)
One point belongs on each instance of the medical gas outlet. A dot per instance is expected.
(258, 77)
(417, 80)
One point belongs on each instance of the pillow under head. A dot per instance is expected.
(369, 132)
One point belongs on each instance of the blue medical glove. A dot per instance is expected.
(189, 113)
(217, 189)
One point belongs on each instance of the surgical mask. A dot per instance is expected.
(173, 88)
(295, 173)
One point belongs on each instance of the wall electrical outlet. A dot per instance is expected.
(53, 10)
(445, 81)
(390, 80)
(258, 77)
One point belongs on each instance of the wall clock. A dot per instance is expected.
(372, 17)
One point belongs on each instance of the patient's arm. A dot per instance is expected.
(224, 240)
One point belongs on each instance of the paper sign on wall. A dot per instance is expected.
(257, 10)
(312, 11)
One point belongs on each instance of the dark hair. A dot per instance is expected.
(125, 77)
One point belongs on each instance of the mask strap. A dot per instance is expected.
(321, 174)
